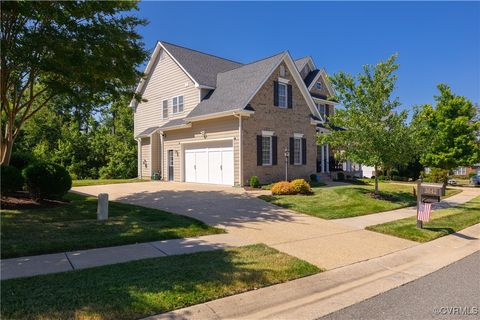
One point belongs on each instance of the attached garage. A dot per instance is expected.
(209, 163)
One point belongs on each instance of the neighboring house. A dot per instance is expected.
(211, 120)
(461, 171)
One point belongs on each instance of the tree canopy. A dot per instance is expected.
(373, 133)
(83, 50)
(448, 132)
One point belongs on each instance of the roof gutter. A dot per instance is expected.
(221, 114)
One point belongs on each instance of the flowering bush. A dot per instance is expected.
(283, 188)
(301, 186)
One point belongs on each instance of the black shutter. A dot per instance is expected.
(327, 110)
(304, 151)
(292, 148)
(275, 93)
(274, 150)
(259, 150)
(290, 97)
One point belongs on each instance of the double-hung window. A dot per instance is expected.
(282, 95)
(266, 150)
(177, 104)
(297, 151)
(321, 110)
(165, 109)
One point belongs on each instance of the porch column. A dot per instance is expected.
(328, 157)
(323, 159)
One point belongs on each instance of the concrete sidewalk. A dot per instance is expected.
(361, 222)
(67, 261)
(315, 296)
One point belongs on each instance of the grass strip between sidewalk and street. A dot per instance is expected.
(146, 287)
(74, 226)
(442, 222)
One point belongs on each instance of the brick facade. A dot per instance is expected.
(284, 123)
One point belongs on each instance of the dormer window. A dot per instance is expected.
(282, 95)
(318, 85)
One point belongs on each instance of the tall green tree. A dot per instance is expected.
(375, 134)
(83, 50)
(448, 132)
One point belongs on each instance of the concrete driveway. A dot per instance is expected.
(321, 242)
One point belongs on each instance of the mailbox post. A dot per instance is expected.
(430, 192)
(419, 200)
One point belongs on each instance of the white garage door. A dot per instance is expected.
(209, 165)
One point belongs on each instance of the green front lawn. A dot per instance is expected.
(348, 201)
(96, 182)
(442, 222)
(141, 288)
(73, 226)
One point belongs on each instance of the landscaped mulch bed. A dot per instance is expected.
(23, 201)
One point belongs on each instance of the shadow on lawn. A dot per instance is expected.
(143, 288)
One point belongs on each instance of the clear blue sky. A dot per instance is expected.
(436, 41)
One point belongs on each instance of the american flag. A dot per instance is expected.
(424, 211)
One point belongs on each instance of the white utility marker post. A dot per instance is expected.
(102, 208)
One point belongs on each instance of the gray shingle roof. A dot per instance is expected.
(147, 132)
(300, 63)
(236, 87)
(173, 123)
(310, 77)
(201, 66)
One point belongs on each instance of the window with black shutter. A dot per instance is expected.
(304, 151)
(275, 93)
(292, 141)
(290, 96)
(274, 150)
(259, 150)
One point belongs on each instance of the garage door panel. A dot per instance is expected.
(213, 164)
(190, 167)
(215, 167)
(201, 166)
(227, 167)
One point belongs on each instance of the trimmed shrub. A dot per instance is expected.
(283, 188)
(21, 160)
(313, 178)
(301, 186)
(381, 178)
(11, 180)
(254, 182)
(45, 180)
(471, 174)
(340, 176)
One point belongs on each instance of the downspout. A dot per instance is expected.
(139, 157)
(240, 162)
(162, 169)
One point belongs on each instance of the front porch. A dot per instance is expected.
(328, 166)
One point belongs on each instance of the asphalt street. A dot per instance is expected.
(452, 292)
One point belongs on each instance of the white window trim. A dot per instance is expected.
(283, 80)
(183, 103)
(300, 149)
(271, 151)
(286, 95)
(266, 133)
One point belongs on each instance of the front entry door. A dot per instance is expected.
(170, 165)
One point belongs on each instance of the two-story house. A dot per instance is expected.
(207, 119)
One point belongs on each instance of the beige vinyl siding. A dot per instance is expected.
(166, 81)
(215, 129)
(146, 165)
